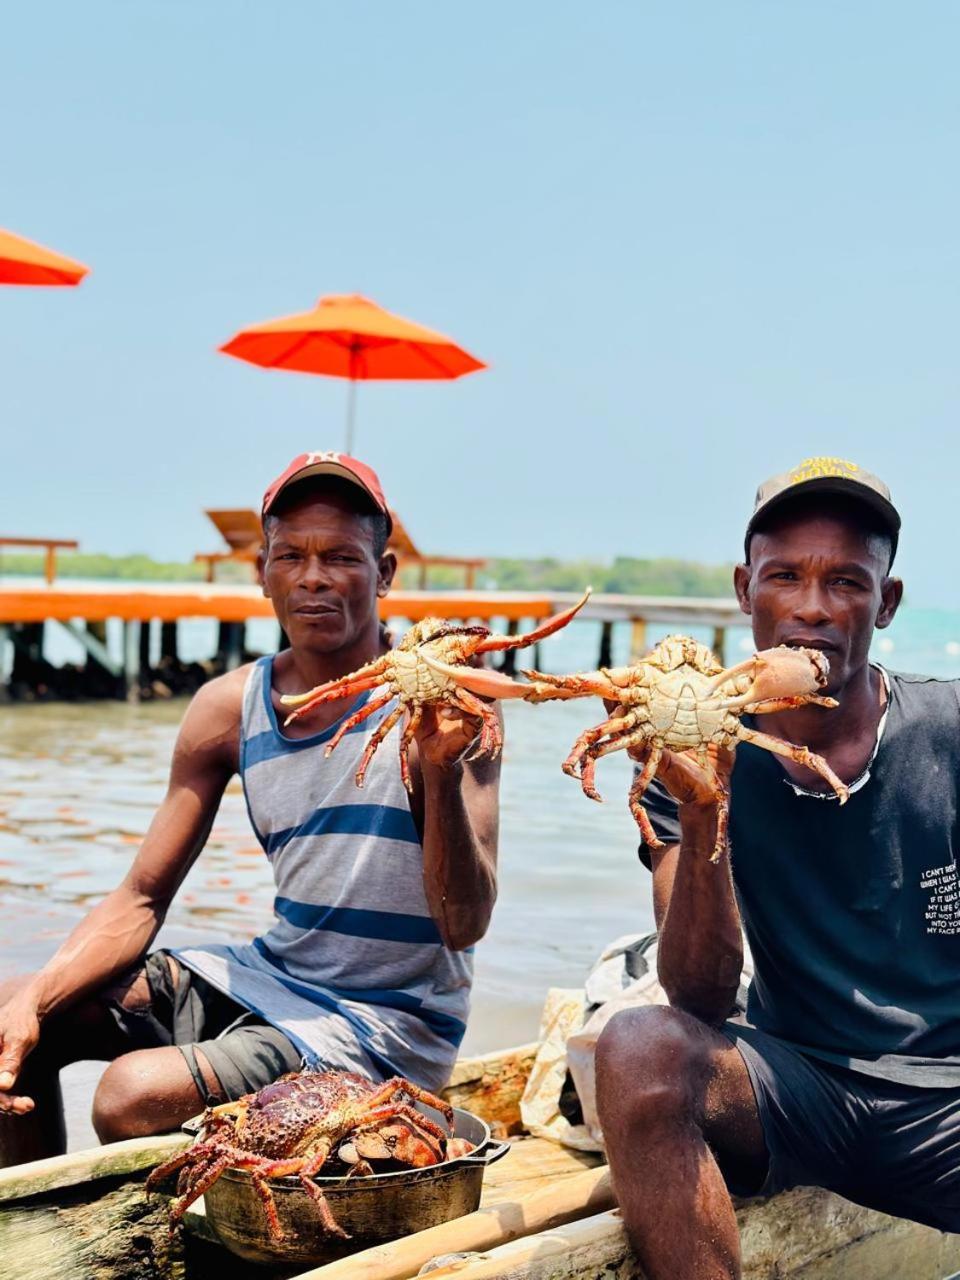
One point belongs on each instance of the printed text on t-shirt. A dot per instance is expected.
(943, 908)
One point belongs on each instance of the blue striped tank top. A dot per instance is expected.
(354, 970)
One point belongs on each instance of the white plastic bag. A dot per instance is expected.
(624, 976)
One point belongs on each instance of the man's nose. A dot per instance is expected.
(314, 575)
(810, 606)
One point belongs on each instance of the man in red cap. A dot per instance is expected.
(843, 1071)
(380, 894)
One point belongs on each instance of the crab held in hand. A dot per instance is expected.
(407, 674)
(680, 698)
(301, 1124)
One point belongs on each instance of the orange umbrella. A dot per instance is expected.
(347, 336)
(23, 262)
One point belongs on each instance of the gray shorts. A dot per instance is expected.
(889, 1146)
(243, 1050)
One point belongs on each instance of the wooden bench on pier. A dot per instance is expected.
(240, 529)
(50, 545)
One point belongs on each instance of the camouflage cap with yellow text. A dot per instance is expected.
(828, 476)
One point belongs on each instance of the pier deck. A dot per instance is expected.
(83, 608)
(169, 602)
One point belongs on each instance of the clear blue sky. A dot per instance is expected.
(696, 243)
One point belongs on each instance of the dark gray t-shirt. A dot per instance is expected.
(853, 912)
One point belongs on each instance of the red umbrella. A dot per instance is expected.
(24, 262)
(347, 336)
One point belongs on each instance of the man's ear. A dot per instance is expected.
(891, 593)
(741, 585)
(386, 570)
(261, 570)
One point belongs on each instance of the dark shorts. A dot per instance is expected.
(888, 1146)
(244, 1052)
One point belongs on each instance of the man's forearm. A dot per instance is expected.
(700, 953)
(106, 943)
(459, 861)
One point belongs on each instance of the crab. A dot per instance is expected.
(680, 697)
(299, 1123)
(405, 674)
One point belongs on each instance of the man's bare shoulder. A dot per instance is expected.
(212, 721)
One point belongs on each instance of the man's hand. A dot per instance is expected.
(19, 1034)
(684, 778)
(445, 735)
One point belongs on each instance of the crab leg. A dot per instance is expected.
(390, 1088)
(546, 688)
(413, 724)
(363, 678)
(547, 628)
(749, 703)
(802, 755)
(357, 718)
(206, 1180)
(640, 784)
(376, 738)
(788, 704)
(491, 739)
(390, 1109)
(262, 1189)
(573, 762)
(171, 1166)
(332, 695)
(588, 767)
(330, 1224)
(720, 799)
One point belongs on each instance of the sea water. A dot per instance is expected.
(81, 782)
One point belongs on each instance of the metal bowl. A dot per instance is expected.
(370, 1209)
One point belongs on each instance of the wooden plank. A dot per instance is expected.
(119, 1235)
(590, 1247)
(545, 1208)
(532, 1163)
(903, 1251)
(116, 1160)
(70, 543)
(805, 1234)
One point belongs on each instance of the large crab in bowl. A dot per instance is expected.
(303, 1123)
(407, 674)
(679, 697)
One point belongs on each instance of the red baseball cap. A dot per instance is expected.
(329, 463)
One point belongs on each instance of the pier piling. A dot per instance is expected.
(606, 645)
(509, 664)
(131, 660)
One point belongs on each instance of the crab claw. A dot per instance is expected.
(778, 673)
(489, 684)
(546, 628)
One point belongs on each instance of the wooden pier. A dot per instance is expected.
(83, 609)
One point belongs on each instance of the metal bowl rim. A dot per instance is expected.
(347, 1181)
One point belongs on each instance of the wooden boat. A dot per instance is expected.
(547, 1213)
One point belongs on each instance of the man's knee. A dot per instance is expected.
(652, 1065)
(151, 1091)
(130, 1099)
